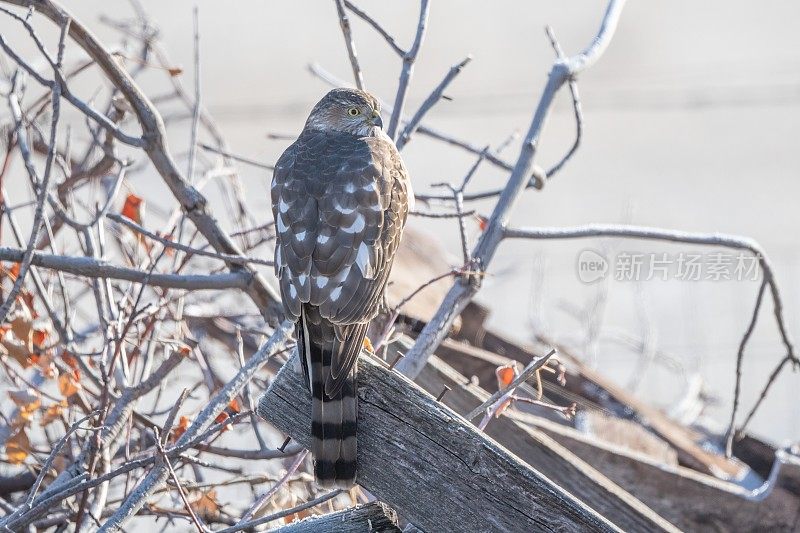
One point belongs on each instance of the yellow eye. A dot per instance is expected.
(353, 111)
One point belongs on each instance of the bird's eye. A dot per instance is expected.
(353, 111)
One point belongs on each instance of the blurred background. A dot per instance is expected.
(691, 123)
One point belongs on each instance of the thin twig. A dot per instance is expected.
(344, 22)
(409, 58)
(432, 99)
(240, 158)
(197, 94)
(463, 290)
(188, 249)
(267, 496)
(501, 395)
(284, 513)
(369, 20)
(96, 268)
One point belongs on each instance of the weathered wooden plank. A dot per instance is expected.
(679, 437)
(373, 517)
(428, 463)
(691, 500)
(546, 455)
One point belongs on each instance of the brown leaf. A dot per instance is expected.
(22, 325)
(15, 348)
(175, 71)
(45, 364)
(288, 519)
(234, 406)
(39, 337)
(25, 397)
(69, 359)
(206, 505)
(18, 448)
(180, 429)
(52, 414)
(69, 383)
(368, 345)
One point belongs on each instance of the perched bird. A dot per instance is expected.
(340, 197)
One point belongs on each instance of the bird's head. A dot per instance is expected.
(347, 111)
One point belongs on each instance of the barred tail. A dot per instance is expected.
(333, 436)
(333, 416)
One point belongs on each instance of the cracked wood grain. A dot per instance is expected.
(438, 471)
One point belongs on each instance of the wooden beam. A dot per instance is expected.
(546, 455)
(374, 517)
(681, 438)
(691, 500)
(436, 469)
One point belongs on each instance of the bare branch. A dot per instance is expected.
(369, 20)
(344, 22)
(156, 477)
(504, 394)
(43, 184)
(95, 268)
(190, 199)
(463, 290)
(430, 101)
(188, 249)
(197, 93)
(241, 159)
(409, 58)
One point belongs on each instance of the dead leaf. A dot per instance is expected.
(175, 71)
(18, 447)
(52, 414)
(206, 505)
(180, 429)
(45, 364)
(133, 208)
(28, 400)
(483, 222)
(69, 359)
(23, 397)
(505, 375)
(368, 345)
(39, 337)
(15, 348)
(22, 325)
(69, 383)
(288, 519)
(234, 406)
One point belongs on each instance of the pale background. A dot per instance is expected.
(691, 122)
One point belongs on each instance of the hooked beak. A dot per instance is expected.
(376, 120)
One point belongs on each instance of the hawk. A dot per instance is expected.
(340, 197)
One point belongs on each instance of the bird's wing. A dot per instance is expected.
(340, 205)
(364, 285)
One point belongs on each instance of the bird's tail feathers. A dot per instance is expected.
(333, 417)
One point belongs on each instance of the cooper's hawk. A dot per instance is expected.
(340, 196)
